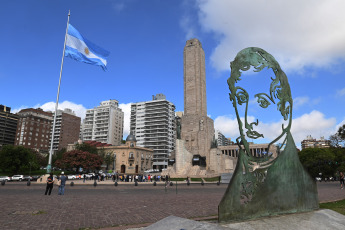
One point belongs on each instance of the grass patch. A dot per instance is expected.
(212, 179)
(177, 179)
(196, 179)
(338, 206)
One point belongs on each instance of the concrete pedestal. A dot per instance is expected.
(317, 220)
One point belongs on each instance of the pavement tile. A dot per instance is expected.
(108, 207)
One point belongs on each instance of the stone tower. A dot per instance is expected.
(197, 129)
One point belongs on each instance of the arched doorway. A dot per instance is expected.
(123, 168)
(136, 168)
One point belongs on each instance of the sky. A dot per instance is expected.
(146, 41)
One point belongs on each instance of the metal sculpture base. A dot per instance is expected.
(287, 188)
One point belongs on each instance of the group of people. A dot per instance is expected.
(139, 178)
(61, 182)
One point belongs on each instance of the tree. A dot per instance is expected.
(339, 137)
(41, 159)
(341, 132)
(86, 148)
(318, 160)
(335, 140)
(79, 159)
(15, 159)
(108, 159)
(339, 158)
(58, 155)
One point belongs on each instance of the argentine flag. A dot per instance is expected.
(80, 49)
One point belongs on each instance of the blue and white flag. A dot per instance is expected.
(80, 49)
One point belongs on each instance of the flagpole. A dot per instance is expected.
(49, 166)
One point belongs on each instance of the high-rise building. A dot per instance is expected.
(33, 129)
(197, 129)
(67, 129)
(310, 142)
(153, 125)
(104, 123)
(8, 126)
(221, 139)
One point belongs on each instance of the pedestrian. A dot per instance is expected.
(84, 178)
(62, 180)
(50, 183)
(341, 174)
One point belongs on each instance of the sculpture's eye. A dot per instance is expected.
(242, 97)
(262, 100)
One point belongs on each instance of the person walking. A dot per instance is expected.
(50, 184)
(341, 175)
(62, 179)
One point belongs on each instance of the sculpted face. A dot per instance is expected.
(277, 92)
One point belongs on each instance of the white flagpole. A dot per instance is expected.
(49, 166)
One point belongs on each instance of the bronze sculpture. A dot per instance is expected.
(265, 186)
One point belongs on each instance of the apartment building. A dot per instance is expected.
(67, 129)
(104, 123)
(8, 126)
(153, 125)
(33, 129)
(221, 139)
(310, 142)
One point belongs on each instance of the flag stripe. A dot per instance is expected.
(80, 46)
(80, 49)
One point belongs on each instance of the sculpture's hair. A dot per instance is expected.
(260, 59)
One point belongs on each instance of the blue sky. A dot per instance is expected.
(146, 41)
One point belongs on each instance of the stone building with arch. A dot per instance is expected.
(130, 158)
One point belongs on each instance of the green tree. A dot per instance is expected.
(339, 158)
(15, 159)
(58, 155)
(341, 132)
(85, 147)
(79, 159)
(108, 159)
(318, 160)
(338, 138)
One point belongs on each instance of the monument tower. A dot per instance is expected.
(197, 129)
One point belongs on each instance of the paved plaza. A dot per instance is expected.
(108, 207)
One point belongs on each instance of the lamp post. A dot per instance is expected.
(30, 171)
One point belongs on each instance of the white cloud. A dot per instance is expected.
(299, 101)
(126, 109)
(314, 123)
(16, 110)
(187, 26)
(79, 109)
(296, 33)
(188, 20)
